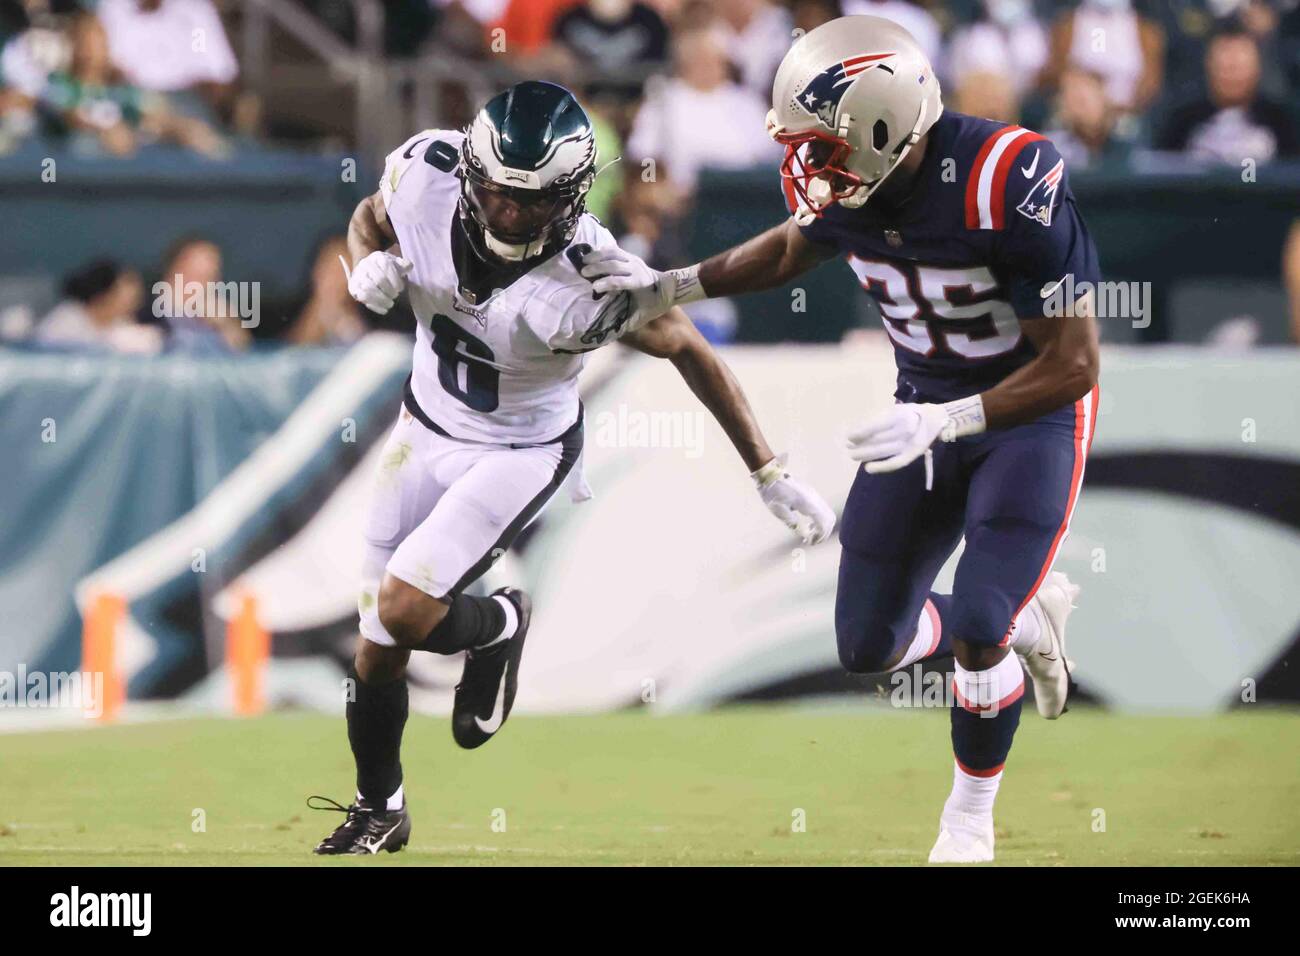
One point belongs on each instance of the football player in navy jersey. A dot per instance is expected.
(965, 233)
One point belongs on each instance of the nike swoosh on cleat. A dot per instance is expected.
(1029, 173)
(493, 723)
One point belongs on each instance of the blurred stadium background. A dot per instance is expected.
(181, 492)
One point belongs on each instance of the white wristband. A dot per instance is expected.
(965, 417)
(686, 285)
(770, 472)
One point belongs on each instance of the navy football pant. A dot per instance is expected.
(1010, 492)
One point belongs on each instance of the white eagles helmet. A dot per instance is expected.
(850, 100)
(527, 162)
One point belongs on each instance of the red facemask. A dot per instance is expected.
(816, 155)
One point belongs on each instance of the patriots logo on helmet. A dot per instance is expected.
(821, 97)
(1038, 204)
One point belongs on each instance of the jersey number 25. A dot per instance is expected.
(931, 310)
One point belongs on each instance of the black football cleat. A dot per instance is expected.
(486, 691)
(367, 829)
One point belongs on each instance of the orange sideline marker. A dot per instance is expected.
(99, 650)
(248, 646)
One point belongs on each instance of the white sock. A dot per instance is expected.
(971, 796)
(1027, 630)
(512, 621)
(928, 631)
(394, 802)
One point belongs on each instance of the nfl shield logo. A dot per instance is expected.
(894, 238)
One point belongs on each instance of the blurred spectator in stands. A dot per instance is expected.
(98, 312)
(986, 94)
(757, 35)
(93, 98)
(462, 24)
(912, 17)
(1291, 276)
(35, 45)
(32, 53)
(1190, 24)
(330, 316)
(697, 118)
(178, 47)
(810, 14)
(1288, 38)
(613, 37)
(1187, 25)
(1083, 125)
(193, 306)
(525, 27)
(603, 197)
(1005, 38)
(1232, 122)
(1110, 38)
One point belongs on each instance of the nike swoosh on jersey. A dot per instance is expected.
(493, 723)
(1029, 173)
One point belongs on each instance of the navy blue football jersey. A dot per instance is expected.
(989, 228)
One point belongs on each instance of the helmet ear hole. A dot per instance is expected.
(879, 136)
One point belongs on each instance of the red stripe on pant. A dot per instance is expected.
(971, 771)
(1084, 419)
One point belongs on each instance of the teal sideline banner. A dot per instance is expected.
(185, 486)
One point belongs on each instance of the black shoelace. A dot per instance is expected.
(354, 811)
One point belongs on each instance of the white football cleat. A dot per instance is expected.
(1047, 664)
(963, 839)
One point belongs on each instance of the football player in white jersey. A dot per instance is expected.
(485, 230)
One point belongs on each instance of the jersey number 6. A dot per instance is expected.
(464, 365)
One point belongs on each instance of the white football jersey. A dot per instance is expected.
(504, 370)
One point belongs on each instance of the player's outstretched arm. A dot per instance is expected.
(673, 336)
(768, 260)
(376, 277)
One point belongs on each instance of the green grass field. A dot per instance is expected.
(716, 788)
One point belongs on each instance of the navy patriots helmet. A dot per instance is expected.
(527, 163)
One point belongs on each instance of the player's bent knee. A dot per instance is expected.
(865, 642)
(977, 657)
(407, 613)
(982, 623)
(376, 664)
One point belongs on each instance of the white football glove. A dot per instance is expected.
(797, 506)
(898, 437)
(377, 280)
(613, 270)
